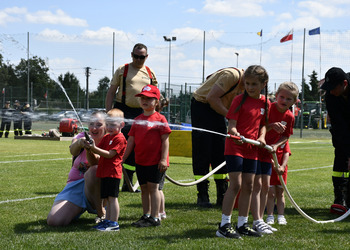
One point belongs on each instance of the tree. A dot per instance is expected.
(71, 85)
(39, 78)
(7, 79)
(98, 97)
(311, 90)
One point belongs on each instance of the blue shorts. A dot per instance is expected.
(238, 164)
(74, 192)
(264, 168)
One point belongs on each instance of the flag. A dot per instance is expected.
(315, 31)
(260, 33)
(3, 90)
(287, 37)
(45, 95)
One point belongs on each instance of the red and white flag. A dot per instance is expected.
(45, 95)
(288, 37)
(3, 90)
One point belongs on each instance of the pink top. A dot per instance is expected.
(74, 173)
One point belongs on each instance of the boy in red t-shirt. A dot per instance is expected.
(149, 137)
(110, 153)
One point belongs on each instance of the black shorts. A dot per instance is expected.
(109, 187)
(264, 168)
(148, 174)
(238, 164)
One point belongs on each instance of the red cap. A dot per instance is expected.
(150, 91)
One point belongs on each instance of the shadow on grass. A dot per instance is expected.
(192, 234)
(40, 226)
(319, 214)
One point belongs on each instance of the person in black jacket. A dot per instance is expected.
(336, 85)
(27, 118)
(17, 118)
(6, 114)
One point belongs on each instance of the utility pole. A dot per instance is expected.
(87, 74)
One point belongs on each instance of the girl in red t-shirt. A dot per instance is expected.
(246, 117)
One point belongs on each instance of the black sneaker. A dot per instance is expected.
(245, 230)
(149, 222)
(140, 221)
(226, 231)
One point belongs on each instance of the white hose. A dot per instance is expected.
(197, 181)
(269, 148)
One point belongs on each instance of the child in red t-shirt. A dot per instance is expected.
(279, 129)
(149, 137)
(110, 153)
(276, 189)
(246, 117)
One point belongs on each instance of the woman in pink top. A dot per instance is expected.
(82, 192)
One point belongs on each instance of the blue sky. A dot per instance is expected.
(72, 35)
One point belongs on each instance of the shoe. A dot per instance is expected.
(270, 220)
(149, 222)
(141, 220)
(262, 227)
(100, 224)
(109, 226)
(245, 230)
(162, 216)
(226, 231)
(281, 220)
(271, 228)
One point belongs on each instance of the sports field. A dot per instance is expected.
(33, 172)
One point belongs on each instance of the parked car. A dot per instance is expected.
(62, 114)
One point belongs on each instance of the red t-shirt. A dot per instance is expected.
(147, 131)
(111, 167)
(287, 119)
(250, 117)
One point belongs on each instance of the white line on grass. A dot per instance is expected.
(28, 199)
(21, 161)
(31, 155)
(304, 169)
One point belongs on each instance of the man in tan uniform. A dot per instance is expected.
(209, 106)
(128, 80)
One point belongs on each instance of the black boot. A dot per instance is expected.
(221, 187)
(203, 194)
(340, 187)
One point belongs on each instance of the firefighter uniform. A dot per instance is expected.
(6, 114)
(27, 119)
(17, 118)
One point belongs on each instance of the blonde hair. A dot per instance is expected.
(291, 87)
(116, 113)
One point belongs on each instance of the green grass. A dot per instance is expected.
(39, 169)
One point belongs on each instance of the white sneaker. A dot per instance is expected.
(262, 227)
(162, 216)
(271, 228)
(281, 220)
(270, 220)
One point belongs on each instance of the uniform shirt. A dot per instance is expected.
(224, 79)
(339, 113)
(287, 119)
(136, 79)
(147, 131)
(250, 117)
(111, 167)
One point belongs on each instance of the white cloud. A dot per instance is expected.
(60, 17)
(323, 9)
(236, 8)
(284, 16)
(8, 15)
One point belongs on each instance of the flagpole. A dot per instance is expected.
(320, 77)
(291, 60)
(261, 45)
(302, 91)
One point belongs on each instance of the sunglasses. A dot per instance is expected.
(138, 57)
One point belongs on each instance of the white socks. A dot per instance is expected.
(241, 221)
(225, 219)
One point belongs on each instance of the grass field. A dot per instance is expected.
(33, 172)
